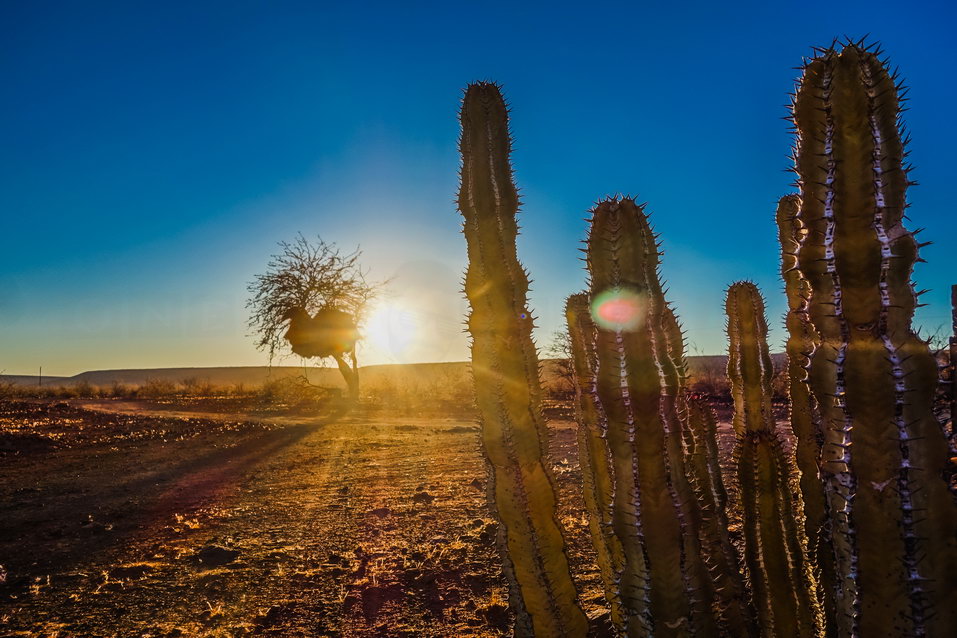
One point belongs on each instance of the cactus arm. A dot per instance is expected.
(628, 514)
(804, 414)
(704, 448)
(700, 443)
(894, 522)
(505, 370)
(735, 613)
(749, 362)
(594, 455)
(816, 168)
(781, 578)
(655, 513)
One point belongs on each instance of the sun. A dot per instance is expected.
(391, 328)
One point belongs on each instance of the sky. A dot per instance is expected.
(153, 154)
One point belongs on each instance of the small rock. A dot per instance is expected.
(382, 512)
(216, 556)
(423, 497)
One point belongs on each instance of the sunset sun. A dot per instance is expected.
(391, 328)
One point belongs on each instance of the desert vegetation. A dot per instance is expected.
(868, 544)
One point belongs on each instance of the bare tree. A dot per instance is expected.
(311, 299)
(560, 350)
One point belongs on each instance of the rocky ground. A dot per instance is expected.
(130, 519)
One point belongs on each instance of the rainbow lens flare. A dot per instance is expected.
(619, 309)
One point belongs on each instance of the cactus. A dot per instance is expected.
(804, 416)
(594, 456)
(506, 376)
(700, 439)
(664, 584)
(780, 576)
(734, 610)
(894, 523)
(704, 454)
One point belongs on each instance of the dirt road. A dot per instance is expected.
(120, 520)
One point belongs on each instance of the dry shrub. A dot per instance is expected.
(120, 390)
(195, 387)
(156, 389)
(449, 392)
(292, 393)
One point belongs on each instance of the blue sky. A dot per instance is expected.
(152, 154)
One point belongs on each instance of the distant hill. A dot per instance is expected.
(424, 374)
(256, 375)
(26, 379)
(246, 375)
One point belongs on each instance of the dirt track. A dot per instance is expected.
(120, 520)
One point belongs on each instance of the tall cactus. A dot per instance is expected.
(594, 455)
(780, 576)
(506, 376)
(700, 439)
(805, 416)
(734, 610)
(664, 585)
(893, 519)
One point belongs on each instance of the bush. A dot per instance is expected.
(292, 393)
(156, 389)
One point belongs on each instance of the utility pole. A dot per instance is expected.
(40, 378)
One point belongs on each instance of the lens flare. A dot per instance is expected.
(619, 309)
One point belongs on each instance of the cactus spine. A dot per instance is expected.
(894, 524)
(664, 585)
(506, 375)
(781, 579)
(594, 456)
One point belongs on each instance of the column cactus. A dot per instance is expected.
(781, 580)
(700, 439)
(804, 415)
(664, 584)
(735, 611)
(506, 376)
(893, 519)
(593, 452)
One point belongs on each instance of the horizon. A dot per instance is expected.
(156, 155)
(314, 366)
